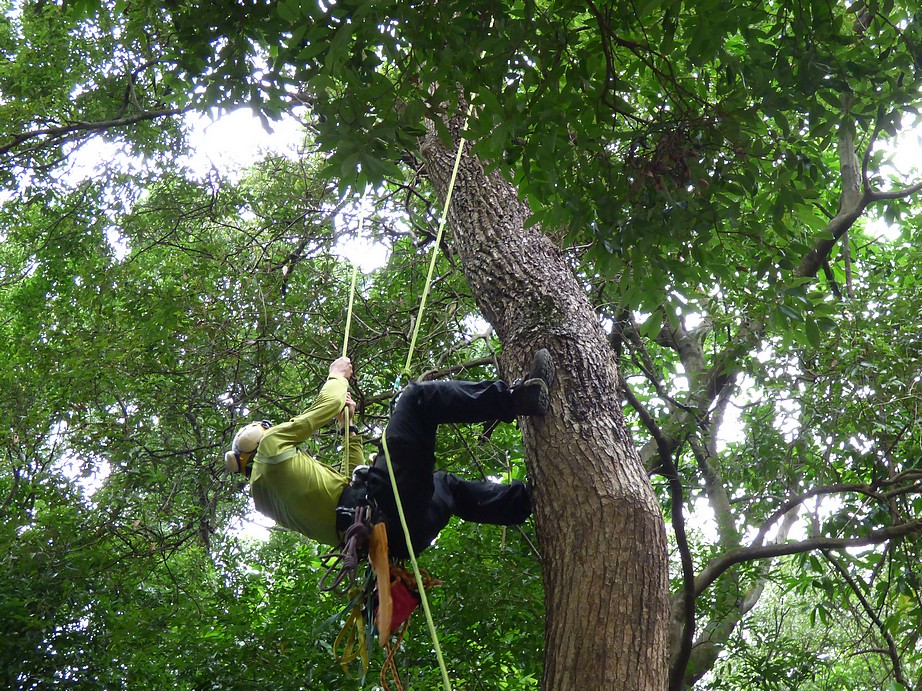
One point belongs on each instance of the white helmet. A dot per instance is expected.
(245, 443)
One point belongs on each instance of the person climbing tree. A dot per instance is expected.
(305, 495)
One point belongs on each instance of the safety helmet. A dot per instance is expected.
(245, 443)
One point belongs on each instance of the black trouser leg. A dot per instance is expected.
(478, 502)
(421, 409)
(424, 406)
(482, 502)
(410, 440)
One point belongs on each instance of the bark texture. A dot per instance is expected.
(601, 529)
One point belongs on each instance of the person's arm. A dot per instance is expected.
(328, 404)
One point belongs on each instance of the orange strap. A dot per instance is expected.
(377, 555)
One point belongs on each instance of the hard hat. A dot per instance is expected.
(245, 443)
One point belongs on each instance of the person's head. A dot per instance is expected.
(246, 441)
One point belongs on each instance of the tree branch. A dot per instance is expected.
(720, 564)
(73, 128)
(866, 606)
(871, 490)
(716, 632)
(852, 203)
(857, 195)
(895, 194)
(686, 345)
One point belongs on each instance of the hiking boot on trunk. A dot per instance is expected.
(531, 396)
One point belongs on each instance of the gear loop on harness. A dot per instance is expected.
(342, 566)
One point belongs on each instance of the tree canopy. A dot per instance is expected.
(721, 177)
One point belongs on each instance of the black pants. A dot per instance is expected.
(429, 498)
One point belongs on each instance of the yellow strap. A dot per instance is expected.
(352, 641)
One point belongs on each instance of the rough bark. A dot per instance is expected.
(601, 530)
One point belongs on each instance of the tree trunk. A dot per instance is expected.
(600, 527)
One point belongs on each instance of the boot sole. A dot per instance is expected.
(542, 367)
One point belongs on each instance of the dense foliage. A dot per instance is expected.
(711, 170)
(126, 378)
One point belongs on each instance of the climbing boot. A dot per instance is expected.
(531, 397)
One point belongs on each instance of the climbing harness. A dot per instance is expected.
(387, 595)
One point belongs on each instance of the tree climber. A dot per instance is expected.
(305, 495)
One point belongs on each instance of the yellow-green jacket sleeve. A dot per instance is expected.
(280, 441)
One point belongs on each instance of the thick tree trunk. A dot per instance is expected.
(601, 530)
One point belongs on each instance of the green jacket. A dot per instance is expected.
(292, 487)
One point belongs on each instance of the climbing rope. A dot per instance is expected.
(438, 241)
(424, 601)
(355, 274)
(421, 583)
(347, 470)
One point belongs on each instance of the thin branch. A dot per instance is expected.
(801, 498)
(891, 646)
(73, 128)
(866, 159)
(850, 211)
(643, 52)
(895, 194)
(853, 200)
(663, 445)
(485, 477)
(451, 369)
(720, 564)
(671, 473)
(12, 493)
(847, 256)
(871, 490)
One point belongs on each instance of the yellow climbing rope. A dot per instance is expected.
(424, 601)
(347, 470)
(420, 581)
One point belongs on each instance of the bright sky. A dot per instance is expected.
(227, 145)
(238, 139)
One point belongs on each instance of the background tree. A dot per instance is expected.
(705, 173)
